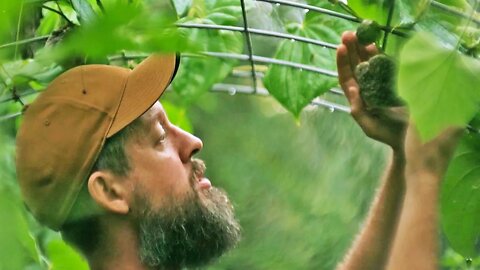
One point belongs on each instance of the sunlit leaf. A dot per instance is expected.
(460, 207)
(63, 256)
(440, 85)
(405, 11)
(49, 23)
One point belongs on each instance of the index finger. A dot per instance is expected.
(346, 76)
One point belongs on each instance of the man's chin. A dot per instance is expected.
(191, 233)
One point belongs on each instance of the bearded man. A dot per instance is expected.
(98, 160)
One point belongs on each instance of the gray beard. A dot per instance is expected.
(190, 233)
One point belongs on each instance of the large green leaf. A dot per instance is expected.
(440, 85)
(295, 88)
(460, 204)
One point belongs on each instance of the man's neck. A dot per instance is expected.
(118, 248)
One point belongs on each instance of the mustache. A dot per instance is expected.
(198, 168)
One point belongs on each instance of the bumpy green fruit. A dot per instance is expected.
(368, 32)
(376, 79)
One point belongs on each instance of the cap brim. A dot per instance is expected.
(145, 84)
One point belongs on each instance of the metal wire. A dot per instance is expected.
(452, 11)
(331, 13)
(267, 60)
(233, 89)
(260, 32)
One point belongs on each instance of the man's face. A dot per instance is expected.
(182, 219)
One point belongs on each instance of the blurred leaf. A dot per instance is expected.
(122, 27)
(63, 257)
(440, 85)
(17, 247)
(178, 116)
(460, 207)
(84, 10)
(9, 11)
(182, 6)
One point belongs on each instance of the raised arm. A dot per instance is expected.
(416, 241)
(370, 250)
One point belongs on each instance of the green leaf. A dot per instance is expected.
(84, 10)
(23, 71)
(295, 88)
(440, 85)
(460, 205)
(122, 27)
(197, 75)
(182, 6)
(17, 246)
(50, 22)
(63, 257)
(376, 10)
(405, 11)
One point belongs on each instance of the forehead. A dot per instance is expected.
(153, 114)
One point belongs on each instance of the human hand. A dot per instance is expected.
(430, 157)
(387, 124)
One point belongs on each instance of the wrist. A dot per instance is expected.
(398, 156)
(422, 180)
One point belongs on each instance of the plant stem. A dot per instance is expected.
(389, 22)
(59, 13)
(19, 23)
(24, 41)
(100, 5)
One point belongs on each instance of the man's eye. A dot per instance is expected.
(162, 139)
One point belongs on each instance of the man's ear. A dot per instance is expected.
(109, 191)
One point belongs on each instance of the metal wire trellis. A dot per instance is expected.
(250, 57)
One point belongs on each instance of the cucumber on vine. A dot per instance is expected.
(376, 79)
(368, 32)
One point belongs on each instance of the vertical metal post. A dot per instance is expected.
(249, 45)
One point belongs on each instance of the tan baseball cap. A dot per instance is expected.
(65, 128)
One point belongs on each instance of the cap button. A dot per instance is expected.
(46, 123)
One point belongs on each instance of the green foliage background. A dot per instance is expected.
(301, 185)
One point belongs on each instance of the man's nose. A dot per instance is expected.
(188, 145)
